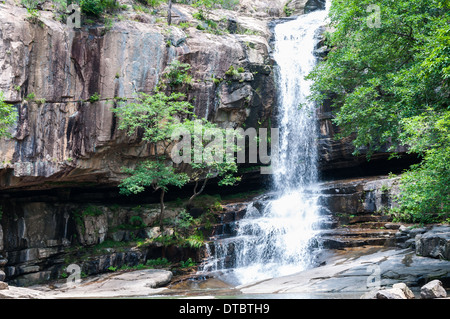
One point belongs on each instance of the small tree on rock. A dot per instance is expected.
(155, 174)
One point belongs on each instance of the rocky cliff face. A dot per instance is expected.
(50, 73)
(65, 83)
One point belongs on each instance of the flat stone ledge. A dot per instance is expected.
(139, 283)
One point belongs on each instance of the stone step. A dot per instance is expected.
(326, 223)
(360, 232)
(369, 225)
(231, 216)
(357, 237)
(341, 243)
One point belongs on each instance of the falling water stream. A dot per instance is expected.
(277, 235)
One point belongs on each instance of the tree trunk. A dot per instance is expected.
(169, 13)
(189, 204)
(161, 223)
(161, 214)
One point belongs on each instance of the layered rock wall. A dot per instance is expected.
(65, 82)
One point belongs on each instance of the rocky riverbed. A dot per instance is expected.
(353, 272)
(356, 271)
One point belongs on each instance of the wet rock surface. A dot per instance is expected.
(362, 272)
(358, 271)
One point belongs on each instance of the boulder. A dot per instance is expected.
(393, 293)
(408, 293)
(434, 243)
(398, 291)
(433, 289)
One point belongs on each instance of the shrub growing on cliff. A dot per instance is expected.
(97, 7)
(156, 114)
(92, 7)
(177, 74)
(8, 115)
(208, 5)
(161, 119)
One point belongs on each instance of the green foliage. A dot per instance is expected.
(167, 240)
(185, 25)
(288, 11)
(196, 240)
(216, 81)
(159, 114)
(229, 4)
(377, 76)
(94, 98)
(208, 5)
(389, 85)
(95, 8)
(155, 174)
(140, 8)
(158, 263)
(155, 3)
(188, 263)
(92, 211)
(92, 7)
(8, 116)
(184, 220)
(425, 188)
(207, 24)
(205, 8)
(232, 71)
(177, 73)
(112, 268)
(30, 97)
(33, 15)
(207, 163)
(31, 4)
(137, 221)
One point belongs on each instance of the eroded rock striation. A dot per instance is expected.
(51, 74)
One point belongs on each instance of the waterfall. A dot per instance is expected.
(277, 234)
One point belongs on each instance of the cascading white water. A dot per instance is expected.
(275, 238)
